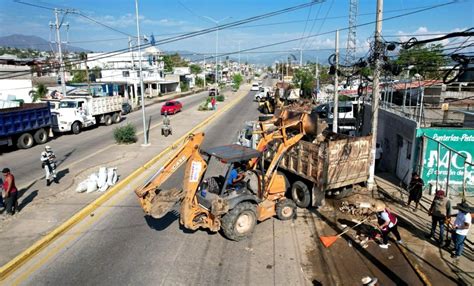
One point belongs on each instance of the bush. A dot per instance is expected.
(125, 134)
(204, 106)
(220, 98)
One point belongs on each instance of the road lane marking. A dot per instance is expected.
(26, 255)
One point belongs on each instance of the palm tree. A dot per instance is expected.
(40, 92)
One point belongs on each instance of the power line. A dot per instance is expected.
(103, 24)
(184, 36)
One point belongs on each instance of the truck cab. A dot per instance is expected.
(77, 112)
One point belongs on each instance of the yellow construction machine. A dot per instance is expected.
(214, 203)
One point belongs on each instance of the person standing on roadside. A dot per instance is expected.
(440, 210)
(49, 165)
(461, 228)
(415, 190)
(11, 192)
(387, 223)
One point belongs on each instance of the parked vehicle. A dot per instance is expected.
(347, 115)
(78, 112)
(25, 125)
(263, 93)
(171, 107)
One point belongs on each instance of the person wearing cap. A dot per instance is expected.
(461, 226)
(440, 210)
(11, 192)
(415, 190)
(49, 165)
(387, 223)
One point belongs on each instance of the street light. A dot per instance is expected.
(217, 39)
(142, 88)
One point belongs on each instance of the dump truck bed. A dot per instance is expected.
(28, 117)
(329, 164)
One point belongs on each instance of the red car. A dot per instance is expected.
(171, 107)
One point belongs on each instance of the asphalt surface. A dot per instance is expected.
(118, 245)
(70, 148)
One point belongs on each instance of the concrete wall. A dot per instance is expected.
(395, 132)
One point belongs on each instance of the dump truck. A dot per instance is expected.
(25, 125)
(321, 164)
(76, 112)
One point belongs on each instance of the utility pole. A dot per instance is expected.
(142, 88)
(375, 93)
(204, 71)
(61, 62)
(335, 113)
(239, 56)
(317, 76)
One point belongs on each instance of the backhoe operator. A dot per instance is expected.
(236, 174)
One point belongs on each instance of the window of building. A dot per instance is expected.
(138, 73)
(408, 150)
(125, 73)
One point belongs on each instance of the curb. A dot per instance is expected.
(24, 256)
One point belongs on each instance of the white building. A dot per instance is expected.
(123, 68)
(18, 86)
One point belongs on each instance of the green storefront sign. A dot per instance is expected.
(459, 140)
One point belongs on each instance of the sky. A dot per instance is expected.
(166, 18)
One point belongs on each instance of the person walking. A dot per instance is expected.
(213, 102)
(461, 226)
(11, 192)
(166, 127)
(387, 223)
(439, 211)
(415, 190)
(48, 162)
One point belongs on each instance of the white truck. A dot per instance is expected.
(77, 112)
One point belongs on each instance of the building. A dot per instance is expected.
(18, 85)
(123, 69)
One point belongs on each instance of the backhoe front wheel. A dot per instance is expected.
(240, 222)
(286, 209)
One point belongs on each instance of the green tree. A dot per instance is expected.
(426, 60)
(195, 69)
(40, 92)
(79, 76)
(304, 79)
(199, 82)
(237, 80)
(173, 60)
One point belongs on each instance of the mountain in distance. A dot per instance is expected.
(33, 42)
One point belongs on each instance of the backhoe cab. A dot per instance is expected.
(213, 203)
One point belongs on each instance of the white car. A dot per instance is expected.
(255, 86)
(259, 96)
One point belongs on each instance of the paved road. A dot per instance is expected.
(69, 148)
(119, 246)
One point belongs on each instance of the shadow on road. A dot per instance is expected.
(162, 223)
(62, 174)
(28, 199)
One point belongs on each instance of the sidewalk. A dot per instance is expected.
(40, 216)
(435, 262)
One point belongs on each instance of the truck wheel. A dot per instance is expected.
(240, 222)
(25, 141)
(301, 194)
(76, 127)
(285, 209)
(108, 120)
(41, 136)
(116, 118)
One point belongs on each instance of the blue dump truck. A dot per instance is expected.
(25, 125)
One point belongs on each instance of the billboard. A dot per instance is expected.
(460, 140)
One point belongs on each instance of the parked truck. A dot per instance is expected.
(77, 112)
(322, 163)
(25, 125)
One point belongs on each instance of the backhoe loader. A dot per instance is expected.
(214, 204)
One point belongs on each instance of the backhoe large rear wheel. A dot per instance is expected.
(240, 222)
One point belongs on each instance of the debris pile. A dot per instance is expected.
(100, 181)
